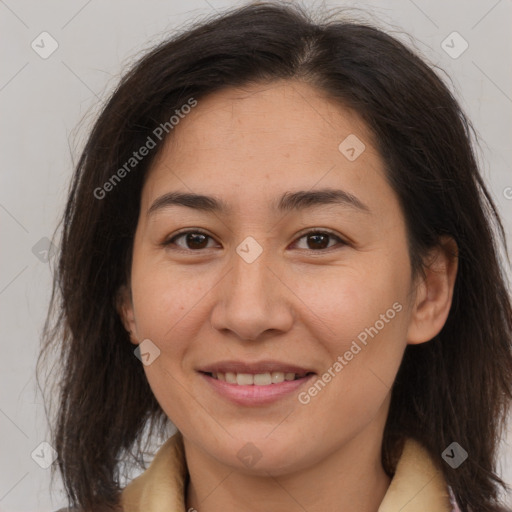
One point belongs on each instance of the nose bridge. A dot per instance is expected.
(250, 283)
(250, 277)
(250, 299)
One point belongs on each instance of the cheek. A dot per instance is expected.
(171, 309)
(364, 356)
(163, 296)
(364, 321)
(164, 308)
(347, 300)
(157, 307)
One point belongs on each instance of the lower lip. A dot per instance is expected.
(253, 395)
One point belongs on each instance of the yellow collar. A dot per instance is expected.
(417, 486)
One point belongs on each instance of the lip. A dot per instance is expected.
(266, 366)
(253, 395)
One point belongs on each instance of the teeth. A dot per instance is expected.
(230, 377)
(259, 379)
(244, 379)
(263, 379)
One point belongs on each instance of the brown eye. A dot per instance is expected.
(319, 240)
(194, 240)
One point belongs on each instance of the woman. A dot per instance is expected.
(277, 239)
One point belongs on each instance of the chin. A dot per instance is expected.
(250, 453)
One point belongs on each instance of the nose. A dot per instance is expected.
(252, 300)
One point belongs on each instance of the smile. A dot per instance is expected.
(255, 389)
(258, 379)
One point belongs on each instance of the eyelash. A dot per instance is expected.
(178, 235)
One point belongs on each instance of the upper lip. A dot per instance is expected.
(254, 368)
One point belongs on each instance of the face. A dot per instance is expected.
(281, 320)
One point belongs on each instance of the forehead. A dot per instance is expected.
(281, 116)
(245, 143)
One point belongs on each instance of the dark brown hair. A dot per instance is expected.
(457, 387)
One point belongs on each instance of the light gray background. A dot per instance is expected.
(43, 100)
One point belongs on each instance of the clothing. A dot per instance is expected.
(417, 485)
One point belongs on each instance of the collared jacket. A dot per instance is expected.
(416, 486)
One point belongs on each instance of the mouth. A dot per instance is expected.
(262, 373)
(257, 384)
(257, 379)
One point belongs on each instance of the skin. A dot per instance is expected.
(294, 303)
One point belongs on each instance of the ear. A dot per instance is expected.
(124, 306)
(434, 292)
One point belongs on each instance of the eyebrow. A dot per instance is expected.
(299, 200)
